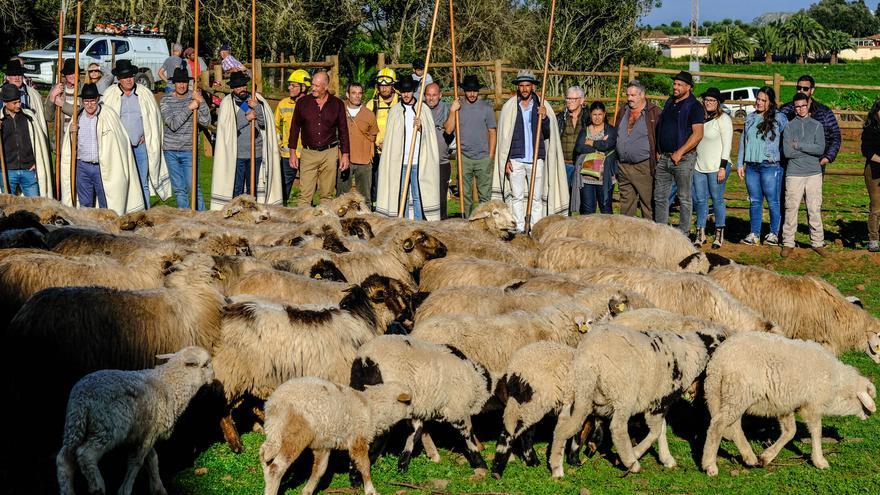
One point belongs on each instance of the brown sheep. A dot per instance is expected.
(461, 272)
(288, 288)
(79, 241)
(349, 204)
(566, 254)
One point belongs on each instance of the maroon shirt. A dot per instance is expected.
(320, 126)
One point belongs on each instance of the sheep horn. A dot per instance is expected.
(867, 401)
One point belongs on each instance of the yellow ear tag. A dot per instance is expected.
(221, 276)
(621, 307)
(317, 276)
(877, 349)
(583, 327)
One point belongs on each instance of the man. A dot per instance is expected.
(422, 201)
(419, 75)
(105, 168)
(297, 84)
(679, 131)
(137, 108)
(637, 152)
(444, 127)
(189, 56)
(515, 155)
(171, 63)
(228, 63)
(362, 131)
(570, 123)
(24, 145)
(320, 118)
(476, 120)
(232, 153)
(177, 109)
(383, 100)
(807, 85)
(61, 93)
(803, 143)
(29, 98)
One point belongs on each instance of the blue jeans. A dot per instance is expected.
(412, 194)
(89, 184)
(243, 175)
(180, 169)
(591, 194)
(764, 180)
(289, 176)
(705, 186)
(143, 166)
(569, 171)
(26, 179)
(666, 174)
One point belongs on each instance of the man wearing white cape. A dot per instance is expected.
(514, 156)
(231, 175)
(423, 196)
(105, 167)
(25, 146)
(139, 113)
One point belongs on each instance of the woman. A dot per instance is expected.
(871, 152)
(597, 161)
(712, 167)
(758, 163)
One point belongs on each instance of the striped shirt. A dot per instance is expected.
(87, 144)
(178, 121)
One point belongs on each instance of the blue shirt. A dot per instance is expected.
(132, 120)
(676, 122)
(528, 138)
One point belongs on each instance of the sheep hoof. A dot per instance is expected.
(712, 470)
(435, 458)
(669, 462)
(479, 474)
(635, 467)
(750, 461)
(764, 461)
(558, 473)
(821, 463)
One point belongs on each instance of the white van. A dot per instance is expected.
(146, 52)
(739, 110)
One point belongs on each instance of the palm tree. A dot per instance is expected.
(769, 41)
(801, 36)
(729, 43)
(836, 42)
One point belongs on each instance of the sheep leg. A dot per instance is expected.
(360, 455)
(230, 433)
(376, 449)
(502, 454)
(87, 457)
(66, 469)
(156, 486)
(430, 449)
(472, 452)
(814, 424)
(720, 422)
(657, 432)
(573, 451)
(789, 428)
(526, 444)
(569, 423)
(623, 442)
(736, 433)
(135, 461)
(663, 447)
(406, 455)
(319, 466)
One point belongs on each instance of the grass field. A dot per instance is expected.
(852, 446)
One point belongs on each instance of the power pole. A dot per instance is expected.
(694, 64)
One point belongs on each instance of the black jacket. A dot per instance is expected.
(18, 150)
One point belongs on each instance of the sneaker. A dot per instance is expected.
(874, 246)
(751, 239)
(771, 239)
(787, 251)
(820, 250)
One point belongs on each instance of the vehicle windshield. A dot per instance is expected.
(69, 44)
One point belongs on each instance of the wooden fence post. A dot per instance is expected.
(380, 63)
(498, 83)
(777, 85)
(334, 74)
(631, 72)
(218, 73)
(281, 79)
(258, 74)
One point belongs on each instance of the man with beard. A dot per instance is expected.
(477, 141)
(297, 85)
(383, 100)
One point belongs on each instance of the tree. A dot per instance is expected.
(768, 40)
(801, 36)
(851, 17)
(730, 43)
(836, 42)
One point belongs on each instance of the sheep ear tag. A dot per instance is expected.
(341, 211)
(621, 307)
(164, 357)
(404, 398)
(317, 276)
(408, 245)
(583, 327)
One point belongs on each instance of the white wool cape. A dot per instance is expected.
(122, 186)
(392, 161)
(554, 196)
(269, 181)
(157, 176)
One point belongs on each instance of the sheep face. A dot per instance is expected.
(359, 227)
(195, 360)
(248, 208)
(873, 349)
(421, 246)
(391, 297)
(497, 218)
(855, 397)
(326, 270)
(134, 221)
(348, 204)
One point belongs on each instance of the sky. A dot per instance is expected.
(716, 10)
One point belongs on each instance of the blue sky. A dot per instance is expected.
(716, 10)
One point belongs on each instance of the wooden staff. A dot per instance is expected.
(528, 226)
(254, 96)
(619, 83)
(194, 169)
(74, 131)
(412, 144)
(58, 119)
(464, 214)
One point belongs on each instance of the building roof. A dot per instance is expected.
(654, 34)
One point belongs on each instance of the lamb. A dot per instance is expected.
(458, 271)
(684, 293)
(773, 376)
(619, 373)
(806, 308)
(111, 408)
(264, 343)
(566, 254)
(316, 414)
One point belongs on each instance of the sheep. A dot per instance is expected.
(111, 408)
(806, 308)
(773, 376)
(243, 209)
(458, 271)
(220, 244)
(491, 341)
(357, 226)
(654, 318)
(566, 254)
(446, 386)
(289, 288)
(22, 238)
(157, 215)
(21, 219)
(232, 268)
(54, 214)
(542, 224)
(619, 373)
(684, 293)
(299, 214)
(316, 414)
(264, 343)
(80, 241)
(349, 204)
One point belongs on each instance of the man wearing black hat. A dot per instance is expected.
(30, 97)
(61, 95)
(477, 141)
(177, 108)
(232, 151)
(23, 143)
(679, 131)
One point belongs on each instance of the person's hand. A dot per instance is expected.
(741, 172)
(455, 105)
(252, 103)
(193, 105)
(824, 161)
(588, 142)
(250, 116)
(795, 144)
(417, 125)
(294, 161)
(508, 169)
(676, 157)
(722, 174)
(379, 145)
(55, 91)
(74, 126)
(197, 97)
(343, 163)
(542, 112)
(141, 140)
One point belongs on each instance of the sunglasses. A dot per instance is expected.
(804, 88)
(94, 70)
(800, 106)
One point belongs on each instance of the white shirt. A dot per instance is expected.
(352, 112)
(409, 115)
(715, 145)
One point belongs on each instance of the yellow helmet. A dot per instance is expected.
(386, 77)
(300, 76)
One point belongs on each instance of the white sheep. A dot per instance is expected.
(311, 413)
(456, 271)
(112, 408)
(773, 376)
(568, 253)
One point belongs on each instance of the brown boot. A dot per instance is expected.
(787, 251)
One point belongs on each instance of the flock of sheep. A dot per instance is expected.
(341, 324)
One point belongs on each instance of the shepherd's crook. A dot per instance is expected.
(528, 226)
(464, 214)
(194, 169)
(58, 124)
(74, 132)
(401, 208)
(253, 96)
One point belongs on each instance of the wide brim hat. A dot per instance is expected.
(14, 68)
(89, 92)
(124, 68)
(9, 92)
(406, 85)
(238, 79)
(713, 93)
(69, 67)
(685, 77)
(180, 75)
(525, 76)
(470, 83)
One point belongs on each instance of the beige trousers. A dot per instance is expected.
(795, 190)
(317, 170)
